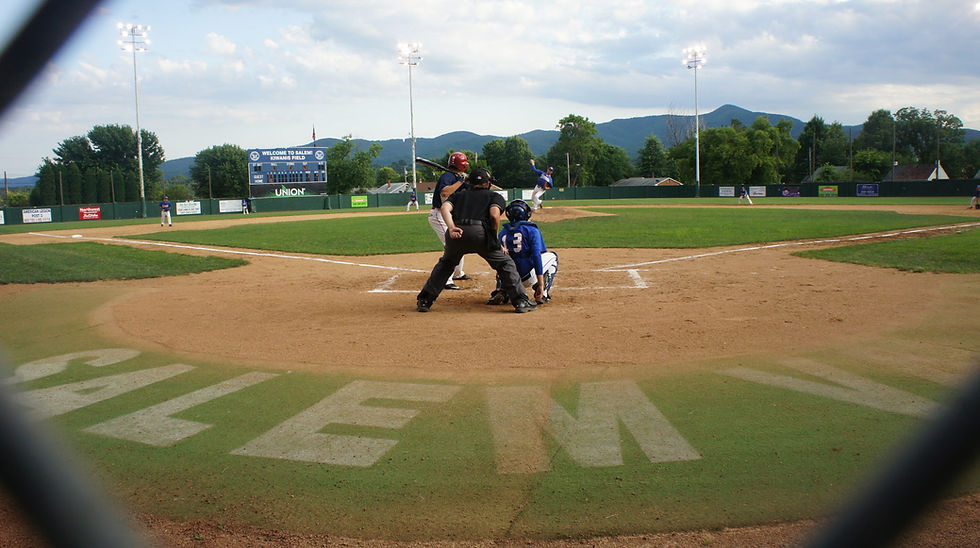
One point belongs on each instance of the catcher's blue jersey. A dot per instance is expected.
(525, 245)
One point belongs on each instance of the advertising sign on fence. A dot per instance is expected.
(1, 217)
(90, 213)
(189, 208)
(726, 192)
(828, 190)
(229, 206)
(40, 215)
(867, 189)
(358, 201)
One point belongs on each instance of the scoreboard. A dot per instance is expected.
(282, 172)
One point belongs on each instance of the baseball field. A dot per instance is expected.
(705, 375)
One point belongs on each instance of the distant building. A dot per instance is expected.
(393, 188)
(916, 172)
(648, 181)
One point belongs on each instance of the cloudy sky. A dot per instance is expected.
(262, 73)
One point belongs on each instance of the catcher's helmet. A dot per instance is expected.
(459, 161)
(518, 210)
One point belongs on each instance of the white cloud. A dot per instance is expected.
(220, 45)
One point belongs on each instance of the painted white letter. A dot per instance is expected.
(155, 426)
(847, 387)
(298, 438)
(57, 400)
(592, 440)
(49, 366)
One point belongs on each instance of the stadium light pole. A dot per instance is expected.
(133, 38)
(695, 59)
(408, 54)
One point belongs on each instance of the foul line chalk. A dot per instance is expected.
(238, 252)
(790, 244)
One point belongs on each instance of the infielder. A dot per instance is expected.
(975, 201)
(543, 184)
(744, 193)
(536, 265)
(413, 199)
(165, 212)
(448, 183)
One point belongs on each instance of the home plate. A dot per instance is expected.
(76, 236)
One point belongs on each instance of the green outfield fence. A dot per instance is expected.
(131, 210)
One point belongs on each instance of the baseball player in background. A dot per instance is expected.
(449, 182)
(975, 201)
(744, 193)
(543, 184)
(536, 265)
(165, 217)
(413, 199)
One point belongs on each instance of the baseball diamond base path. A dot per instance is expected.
(615, 312)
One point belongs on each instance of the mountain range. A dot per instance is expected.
(627, 133)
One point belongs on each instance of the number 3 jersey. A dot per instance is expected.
(525, 245)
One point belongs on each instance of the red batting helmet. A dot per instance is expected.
(458, 161)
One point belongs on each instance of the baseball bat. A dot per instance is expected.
(430, 163)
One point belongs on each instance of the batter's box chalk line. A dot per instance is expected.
(634, 281)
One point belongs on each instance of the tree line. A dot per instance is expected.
(101, 167)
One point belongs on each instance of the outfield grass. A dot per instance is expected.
(88, 261)
(955, 253)
(773, 201)
(624, 227)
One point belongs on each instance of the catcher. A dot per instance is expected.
(535, 264)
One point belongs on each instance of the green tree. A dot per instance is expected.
(76, 151)
(579, 139)
(177, 192)
(877, 133)
(131, 186)
(45, 191)
(835, 145)
(104, 192)
(90, 186)
(763, 142)
(386, 175)
(510, 162)
(653, 161)
(348, 168)
(925, 134)
(726, 156)
(110, 148)
(971, 159)
(810, 154)
(612, 164)
(18, 199)
(872, 163)
(221, 171)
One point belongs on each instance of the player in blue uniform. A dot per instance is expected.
(744, 193)
(165, 212)
(448, 183)
(413, 198)
(975, 201)
(524, 243)
(544, 183)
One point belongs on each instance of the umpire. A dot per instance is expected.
(473, 218)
